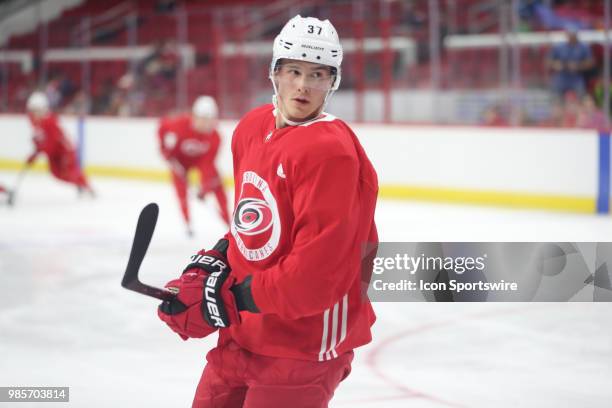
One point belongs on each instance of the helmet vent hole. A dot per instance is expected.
(303, 55)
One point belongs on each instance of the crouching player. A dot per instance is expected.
(192, 141)
(50, 140)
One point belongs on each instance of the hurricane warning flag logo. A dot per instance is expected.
(252, 216)
(256, 223)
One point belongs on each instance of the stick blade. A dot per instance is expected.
(142, 238)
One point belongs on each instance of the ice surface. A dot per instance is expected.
(65, 321)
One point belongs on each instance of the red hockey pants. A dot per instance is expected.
(237, 378)
(209, 181)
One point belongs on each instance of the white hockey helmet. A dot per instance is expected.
(205, 107)
(37, 102)
(309, 39)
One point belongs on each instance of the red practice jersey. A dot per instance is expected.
(179, 141)
(304, 208)
(48, 136)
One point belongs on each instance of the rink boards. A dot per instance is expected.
(556, 169)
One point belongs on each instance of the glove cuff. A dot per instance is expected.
(244, 296)
(205, 260)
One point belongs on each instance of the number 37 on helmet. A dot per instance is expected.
(309, 39)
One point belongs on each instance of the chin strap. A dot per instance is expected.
(291, 122)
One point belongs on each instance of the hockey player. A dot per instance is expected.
(192, 141)
(286, 286)
(50, 139)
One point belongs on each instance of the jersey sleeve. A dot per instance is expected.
(38, 138)
(324, 260)
(167, 139)
(214, 142)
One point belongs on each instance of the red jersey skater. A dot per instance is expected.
(192, 141)
(286, 286)
(49, 139)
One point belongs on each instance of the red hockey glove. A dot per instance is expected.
(177, 168)
(31, 158)
(165, 153)
(184, 313)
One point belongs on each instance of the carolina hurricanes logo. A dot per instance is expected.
(256, 224)
(252, 216)
(194, 147)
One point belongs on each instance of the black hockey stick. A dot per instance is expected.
(142, 238)
(10, 198)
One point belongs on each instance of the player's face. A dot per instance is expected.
(302, 87)
(38, 113)
(203, 125)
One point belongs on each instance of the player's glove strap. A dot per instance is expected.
(172, 307)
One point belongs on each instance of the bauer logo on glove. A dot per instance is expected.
(211, 261)
(221, 310)
(208, 263)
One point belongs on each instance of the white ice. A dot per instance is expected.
(65, 321)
